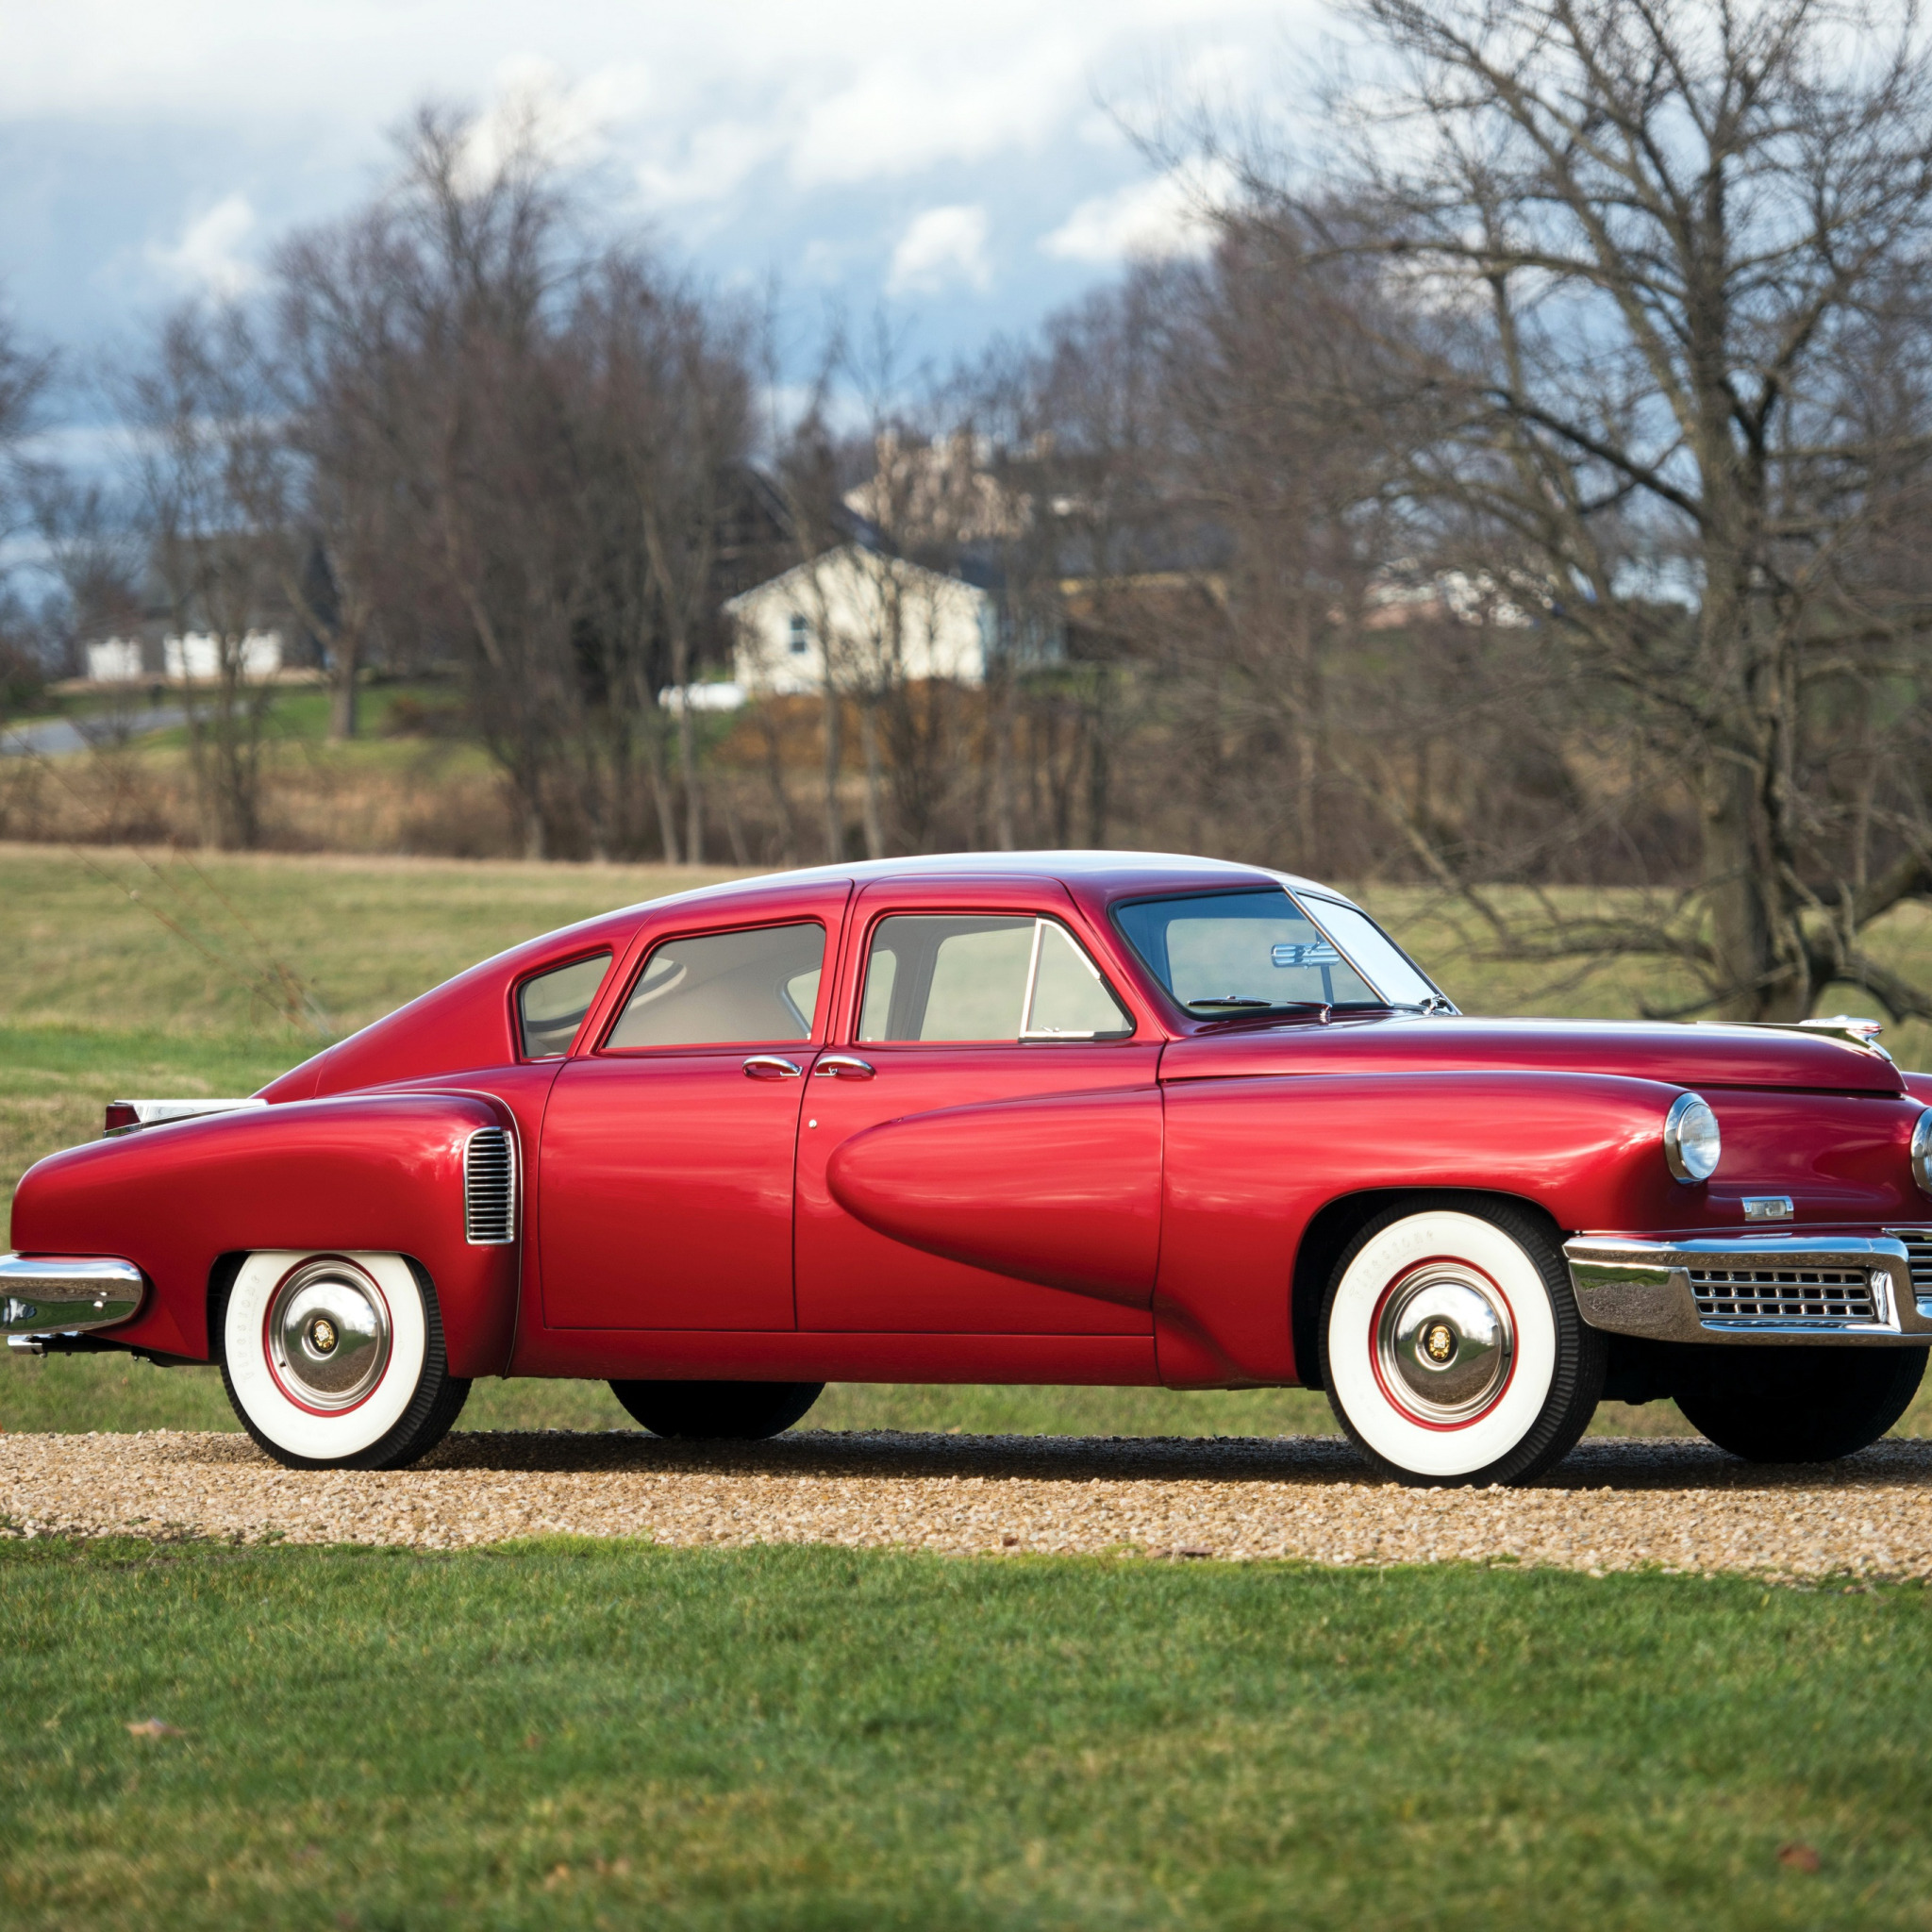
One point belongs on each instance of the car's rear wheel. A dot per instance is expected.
(718, 1412)
(1799, 1404)
(1451, 1345)
(337, 1361)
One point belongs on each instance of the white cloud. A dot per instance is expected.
(897, 113)
(536, 104)
(207, 257)
(710, 165)
(1172, 214)
(944, 245)
(738, 130)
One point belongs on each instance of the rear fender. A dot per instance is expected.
(382, 1171)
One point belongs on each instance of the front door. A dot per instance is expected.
(666, 1176)
(984, 1155)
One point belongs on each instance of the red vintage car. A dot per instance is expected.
(1056, 1118)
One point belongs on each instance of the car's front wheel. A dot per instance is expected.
(1451, 1345)
(718, 1412)
(337, 1361)
(1798, 1404)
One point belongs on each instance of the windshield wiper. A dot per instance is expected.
(1240, 1003)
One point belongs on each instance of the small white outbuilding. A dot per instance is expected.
(869, 621)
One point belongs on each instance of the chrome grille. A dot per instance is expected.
(1918, 1242)
(490, 1187)
(1786, 1294)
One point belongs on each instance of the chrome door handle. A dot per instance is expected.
(843, 1066)
(768, 1066)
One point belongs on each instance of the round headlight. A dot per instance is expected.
(1691, 1142)
(1921, 1150)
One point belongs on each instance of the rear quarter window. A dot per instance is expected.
(551, 1006)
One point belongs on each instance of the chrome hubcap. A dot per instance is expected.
(328, 1334)
(1443, 1342)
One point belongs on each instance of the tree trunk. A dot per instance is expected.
(765, 713)
(660, 797)
(1741, 923)
(999, 724)
(688, 748)
(1099, 771)
(346, 662)
(869, 741)
(835, 758)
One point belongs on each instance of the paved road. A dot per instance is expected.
(54, 736)
(1611, 1504)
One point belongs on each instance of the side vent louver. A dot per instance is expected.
(490, 1187)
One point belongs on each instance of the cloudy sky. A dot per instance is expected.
(956, 161)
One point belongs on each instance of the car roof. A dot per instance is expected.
(1111, 871)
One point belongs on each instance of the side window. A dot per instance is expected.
(727, 989)
(934, 977)
(551, 1007)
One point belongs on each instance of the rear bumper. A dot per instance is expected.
(1758, 1289)
(65, 1294)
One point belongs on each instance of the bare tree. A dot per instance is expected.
(202, 414)
(345, 370)
(661, 398)
(1662, 257)
(809, 481)
(481, 241)
(687, 375)
(26, 378)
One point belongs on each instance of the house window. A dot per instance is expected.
(801, 635)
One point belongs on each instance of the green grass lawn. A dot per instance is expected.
(611, 1735)
(564, 1734)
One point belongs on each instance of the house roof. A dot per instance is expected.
(899, 565)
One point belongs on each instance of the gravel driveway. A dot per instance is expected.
(1614, 1505)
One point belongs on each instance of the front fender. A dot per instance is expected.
(1251, 1162)
(381, 1171)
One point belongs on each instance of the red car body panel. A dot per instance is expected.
(1112, 1211)
(1063, 1191)
(1699, 1057)
(683, 1145)
(377, 1172)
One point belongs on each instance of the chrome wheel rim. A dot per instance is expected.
(328, 1334)
(1444, 1343)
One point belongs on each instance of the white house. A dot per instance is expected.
(117, 660)
(874, 621)
(196, 657)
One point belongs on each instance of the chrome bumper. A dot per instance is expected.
(63, 1295)
(1757, 1289)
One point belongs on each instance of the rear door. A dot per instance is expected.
(668, 1152)
(980, 1153)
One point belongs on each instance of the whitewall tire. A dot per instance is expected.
(1451, 1345)
(337, 1361)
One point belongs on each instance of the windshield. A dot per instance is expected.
(1398, 977)
(1229, 953)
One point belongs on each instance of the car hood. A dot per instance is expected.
(1681, 1055)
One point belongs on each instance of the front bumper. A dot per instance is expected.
(1758, 1289)
(65, 1294)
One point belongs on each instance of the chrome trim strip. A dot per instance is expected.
(62, 1295)
(161, 1113)
(1631, 1287)
(1844, 1028)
